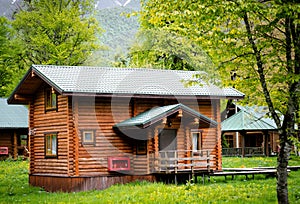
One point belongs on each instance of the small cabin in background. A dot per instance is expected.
(13, 130)
(248, 131)
(92, 127)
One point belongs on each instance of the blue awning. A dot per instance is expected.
(147, 118)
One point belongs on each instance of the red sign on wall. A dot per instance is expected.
(3, 150)
(118, 163)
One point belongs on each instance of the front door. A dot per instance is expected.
(167, 140)
(167, 148)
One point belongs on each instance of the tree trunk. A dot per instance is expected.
(282, 163)
(286, 128)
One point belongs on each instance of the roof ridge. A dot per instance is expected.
(121, 68)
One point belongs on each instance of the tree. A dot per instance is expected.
(10, 58)
(60, 32)
(164, 49)
(256, 42)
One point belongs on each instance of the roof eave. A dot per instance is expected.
(11, 98)
(130, 95)
(18, 98)
(45, 79)
(248, 130)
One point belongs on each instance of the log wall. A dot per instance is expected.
(6, 140)
(43, 122)
(11, 138)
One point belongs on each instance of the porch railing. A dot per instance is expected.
(246, 151)
(180, 160)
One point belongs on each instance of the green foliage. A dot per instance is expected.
(218, 27)
(14, 188)
(57, 32)
(224, 141)
(160, 48)
(11, 58)
(162, 41)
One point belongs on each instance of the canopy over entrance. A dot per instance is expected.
(137, 127)
(147, 118)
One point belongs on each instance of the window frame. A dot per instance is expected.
(51, 155)
(141, 147)
(88, 142)
(23, 140)
(199, 140)
(49, 96)
(230, 140)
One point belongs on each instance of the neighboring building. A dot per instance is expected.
(248, 131)
(92, 127)
(13, 129)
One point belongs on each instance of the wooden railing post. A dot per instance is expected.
(208, 160)
(176, 161)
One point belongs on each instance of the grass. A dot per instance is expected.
(14, 188)
(249, 162)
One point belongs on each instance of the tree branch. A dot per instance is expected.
(236, 57)
(260, 70)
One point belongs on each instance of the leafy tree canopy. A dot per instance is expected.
(57, 32)
(60, 32)
(163, 47)
(218, 26)
(11, 62)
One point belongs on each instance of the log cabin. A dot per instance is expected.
(248, 131)
(13, 130)
(92, 127)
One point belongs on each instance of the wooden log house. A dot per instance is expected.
(13, 130)
(249, 132)
(92, 127)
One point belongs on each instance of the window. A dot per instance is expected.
(141, 147)
(88, 137)
(50, 100)
(196, 140)
(51, 145)
(229, 140)
(23, 140)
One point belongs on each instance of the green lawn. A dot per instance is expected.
(14, 188)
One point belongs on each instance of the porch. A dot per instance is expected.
(243, 151)
(181, 161)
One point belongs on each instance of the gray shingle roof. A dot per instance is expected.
(107, 80)
(158, 113)
(12, 116)
(244, 120)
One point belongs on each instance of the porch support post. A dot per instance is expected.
(266, 143)
(156, 151)
(237, 139)
(15, 146)
(243, 133)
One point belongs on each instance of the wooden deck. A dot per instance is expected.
(269, 171)
(188, 164)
